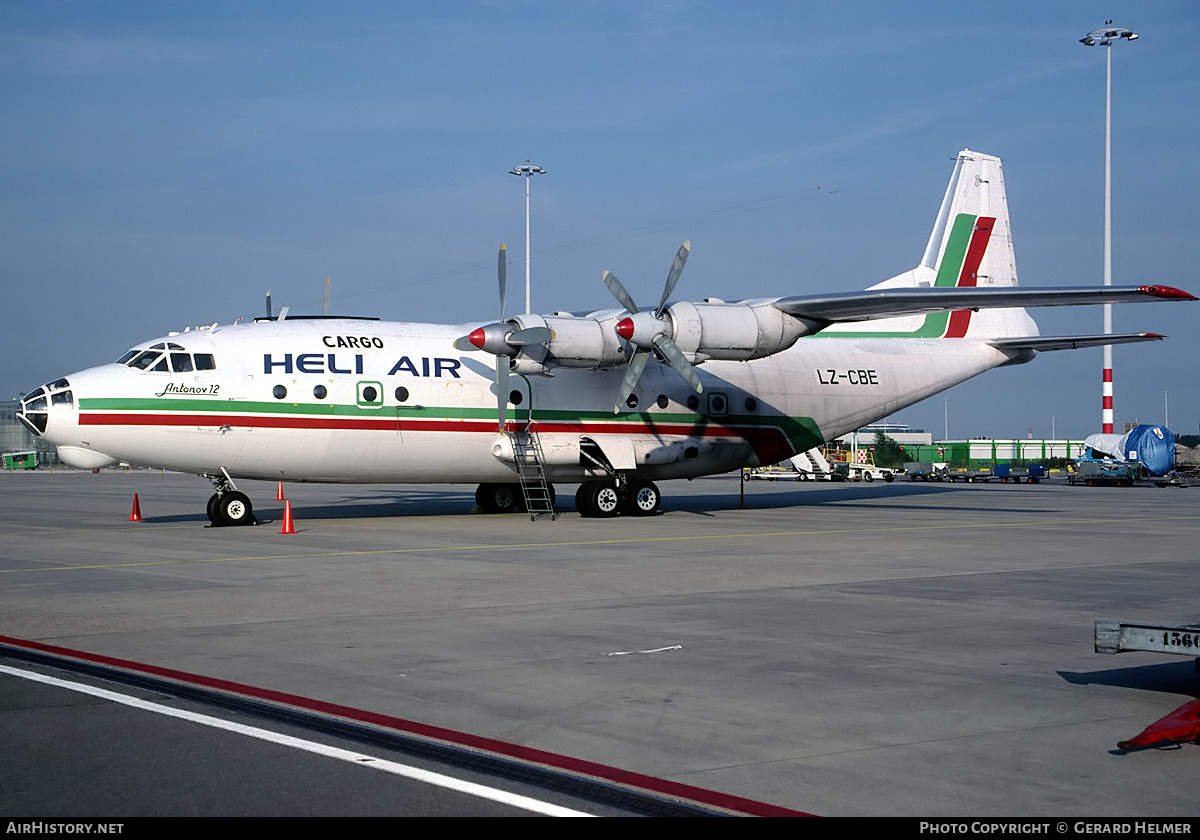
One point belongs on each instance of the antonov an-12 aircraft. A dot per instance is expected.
(743, 383)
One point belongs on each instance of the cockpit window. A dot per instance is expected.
(126, 357)
(161, 367)
(181, 362)
(145, 359)
(159, 346)
(205, 361)
(62, 398)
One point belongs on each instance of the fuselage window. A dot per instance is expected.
(632, 401)
(279, 392)
(662, 401)
(205, 361)
(693, 402)
(402, 394)
(751, 403)
(320, 393)
(181, 362)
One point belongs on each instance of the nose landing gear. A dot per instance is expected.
(229, 506)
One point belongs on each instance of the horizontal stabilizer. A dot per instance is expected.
(888, 303)
(1071, 342)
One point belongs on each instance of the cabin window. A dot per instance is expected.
(279, 392)
(370, 394)
(515, 397)
(751, 403)
(401, 394)
(693, 402)
(662, 401)
(632, 401)
(320, 393)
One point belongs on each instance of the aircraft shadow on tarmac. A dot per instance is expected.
(418, 501)
(1166, 677)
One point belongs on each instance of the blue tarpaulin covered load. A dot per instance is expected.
(1151, 446)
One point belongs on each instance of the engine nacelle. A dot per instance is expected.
(589, 343)
(750, 329)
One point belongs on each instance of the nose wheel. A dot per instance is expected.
(229, 506)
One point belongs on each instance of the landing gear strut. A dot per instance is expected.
(229, 506)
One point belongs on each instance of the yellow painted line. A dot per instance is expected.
(628, 540)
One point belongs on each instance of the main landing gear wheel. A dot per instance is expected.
(598, 499)
(642, 499)
(498, 498)
(234, 508)
(214, 515)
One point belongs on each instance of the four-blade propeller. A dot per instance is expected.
(650, 331)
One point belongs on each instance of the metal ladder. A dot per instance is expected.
(532, 475)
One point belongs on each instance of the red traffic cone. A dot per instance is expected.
(288, 527)
(135, 515)
(279, 492)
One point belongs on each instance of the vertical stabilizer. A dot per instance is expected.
(974, 196)
(970, 245)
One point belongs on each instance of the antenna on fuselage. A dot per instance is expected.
(268, 304)
(325, 306)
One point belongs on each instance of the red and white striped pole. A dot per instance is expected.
(1104, 37)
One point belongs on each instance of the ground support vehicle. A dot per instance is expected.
(1103, 472)
(774, 472)
(20, 460)
(968, 475)
(926, 470)
(848, 471)
(1031, 474)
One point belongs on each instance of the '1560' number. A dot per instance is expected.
(1176, 639)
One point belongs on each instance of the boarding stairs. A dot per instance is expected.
(812, 462)
(531, 471)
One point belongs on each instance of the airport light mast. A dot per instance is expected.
(1104, 37)
(528, 171)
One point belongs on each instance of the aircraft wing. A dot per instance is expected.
(1070, 342)
(888, 303)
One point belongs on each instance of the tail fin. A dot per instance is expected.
(971, 242)
(970, 245)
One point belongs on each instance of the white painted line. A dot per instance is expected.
(359, 759)
(656, 650)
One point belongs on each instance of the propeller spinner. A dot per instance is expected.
(502, 341)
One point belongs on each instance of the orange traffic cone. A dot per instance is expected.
(279, 492)
(135, 515)
(288, 527)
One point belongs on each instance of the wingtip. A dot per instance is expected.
(1166, 292)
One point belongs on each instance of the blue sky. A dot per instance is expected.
(165, 164)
